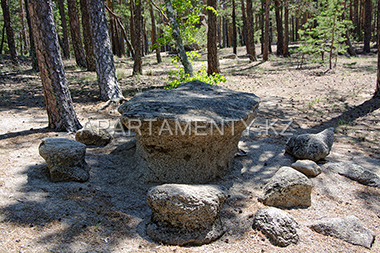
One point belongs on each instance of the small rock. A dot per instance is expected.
(287, 188)
(93, 136)
(307, 167)
(229, 56)
(311, 146)
(185, 214)
(355, 172)
(280, 226)
(65, 159)
(349, 229)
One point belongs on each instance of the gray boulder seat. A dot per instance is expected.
(188, 134)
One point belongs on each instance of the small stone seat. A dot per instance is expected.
(188, 134)
(65, 159)
(185, 214)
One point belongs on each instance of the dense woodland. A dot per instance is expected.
(94, 31)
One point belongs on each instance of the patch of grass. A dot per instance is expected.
(120, 74)
(343, 122)
(150, 72)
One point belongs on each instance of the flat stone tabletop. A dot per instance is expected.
(188, 134)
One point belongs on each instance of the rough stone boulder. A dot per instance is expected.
(355, 172)
(65, 159)
(287, 188)
(185, 214)
(230, 56)
(349, 229)
(307, 167)
(311, 146)
(93, 136)
(188, 134)
(278, 225)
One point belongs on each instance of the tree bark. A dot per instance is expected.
(212, 49)
(367, 26)
(280, 30)
(132, 23)
(188, 67)
(65, 33)
(9, 31)
(154, 35)
(266, 33)
(377, 90)
(88, 47)
(251, 33)
(24, 31)
(76, 39)
(245, 36)
(286, 29)
(234, 33)
(32, 49)
(2, 39)
(137, 60)
(105, 67)
(356, 19)
(59, 105)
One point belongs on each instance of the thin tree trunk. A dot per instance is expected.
(377, 90)
(286, 29)
(212, 50)
(266, 33)
(32, 49)
(105, 67)
(225, 35)
(88, 47)
(24, 31)
(234, 33)
(245, 32)
(154, 35)
(262, 24)
(137, 61)
(76, 39)
(356, 18)
(250, 33)
(367, 27)
(2, 39)
(9, 31)
(280, 30)
(59, 105)
(65, 33)
(188, 67)
(132, 23)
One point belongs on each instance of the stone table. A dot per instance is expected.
(188, 134)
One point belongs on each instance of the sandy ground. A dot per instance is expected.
(108, 213)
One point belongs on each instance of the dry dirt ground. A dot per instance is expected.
(108, 213)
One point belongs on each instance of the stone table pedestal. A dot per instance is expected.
(188, 134)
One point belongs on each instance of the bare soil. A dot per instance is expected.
(108, 213)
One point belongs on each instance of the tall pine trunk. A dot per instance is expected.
(76, 39)
(88, 47)
(266, 32)
(154, 35)
(32, 49)
(245, 36)
(24, 31)
(9, 31)
(212, 50)
(105, 67)
(137, 60)
(280, 30)
(367, 26)
(250, 33)
(59, 105)
(286, 28)
(234, 33)
(377, 91)
(65, 33)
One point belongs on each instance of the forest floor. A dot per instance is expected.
(108, 213)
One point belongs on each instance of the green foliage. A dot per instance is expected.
(178, 76)
(188, 18)
(325, 32)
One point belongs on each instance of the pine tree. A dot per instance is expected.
(326, 31)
